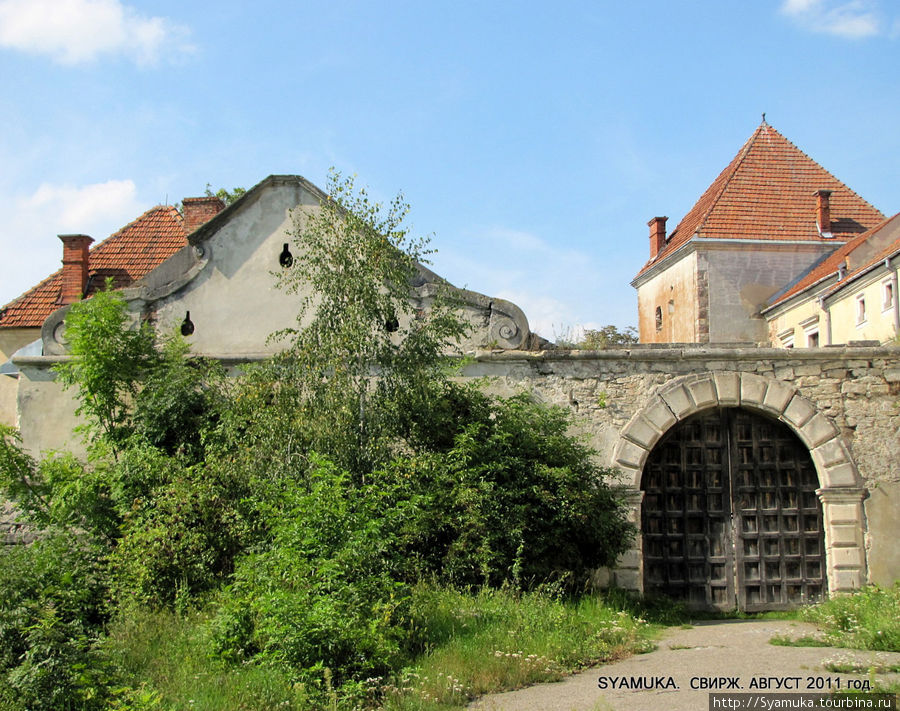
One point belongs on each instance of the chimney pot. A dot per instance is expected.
(657, 235)
(75, 267)
(200, 210)
(823, 212)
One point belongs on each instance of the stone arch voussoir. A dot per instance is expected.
(687, 395)
(841, 488)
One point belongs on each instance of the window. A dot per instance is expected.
(887, 295)
(786, 338)
(810, 328)
(860, 309)
(658, 319)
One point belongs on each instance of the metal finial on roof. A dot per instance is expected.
(764, 116)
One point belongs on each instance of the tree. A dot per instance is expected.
(226, 196)
(602, 338)
(357, 262)
(108, 361)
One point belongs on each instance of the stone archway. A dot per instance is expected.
(841, 490)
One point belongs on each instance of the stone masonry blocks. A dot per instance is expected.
(778, 395)
(836, 514)
(841, 475)
(799, 411)
(828, 455)
(632, 478)
(679, 401)
(818, 430)
(753, 389)
(630, 455)
(628, 579)
(728, 388)
(845, 580)
(629, 559)
(641, 432)
(659, 415)
(845, 536)
(850, 557)
(703, 393)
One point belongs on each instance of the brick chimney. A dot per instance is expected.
(75, 267)
(200, 210)
(823, 212)
(657, 235)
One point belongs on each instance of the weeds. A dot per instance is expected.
(865, 620)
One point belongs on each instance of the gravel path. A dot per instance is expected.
(734, 649)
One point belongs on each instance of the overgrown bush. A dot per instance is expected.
(327, 591)
(506, 496)
(306, 498)
(52, 609)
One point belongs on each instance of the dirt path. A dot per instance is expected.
(707, 651)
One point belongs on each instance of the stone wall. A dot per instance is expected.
(842, 402)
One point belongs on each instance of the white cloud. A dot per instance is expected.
(31, 222)
(855, 19)
(73, 208)
(78, 31)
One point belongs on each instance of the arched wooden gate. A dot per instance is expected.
(730, 515)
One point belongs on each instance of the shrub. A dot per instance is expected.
(507, 496)
(325, 593)
(52, 608)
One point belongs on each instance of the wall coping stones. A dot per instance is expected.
(643, 352)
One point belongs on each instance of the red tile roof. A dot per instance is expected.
(887, 238)
(767, 192)
(126, 256)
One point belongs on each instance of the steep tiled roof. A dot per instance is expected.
(125, 256)
(767, 192)
(887, 236)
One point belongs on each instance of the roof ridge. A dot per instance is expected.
(737, 161)
(832, 175)
(42, 282)
(120, 232)
(162, 221)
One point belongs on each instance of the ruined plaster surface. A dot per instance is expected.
(226, 282)
(674, 292)
(742, 278)
(881, 509)
(11, 340)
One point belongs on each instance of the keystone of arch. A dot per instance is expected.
(688, 395)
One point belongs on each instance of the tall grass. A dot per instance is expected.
(461, 645)
(496, 640)
(867, 619)
(167, 658)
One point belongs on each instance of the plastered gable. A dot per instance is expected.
(230, 289)
(225, 283)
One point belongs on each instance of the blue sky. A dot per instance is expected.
(533, 140)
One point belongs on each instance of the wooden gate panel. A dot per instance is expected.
(687, 517)
(730, 515)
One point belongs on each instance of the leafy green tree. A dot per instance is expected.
(356, 265)
(601, 338)
(107, 364)
(226, 196)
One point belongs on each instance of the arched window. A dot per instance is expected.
(658, 319)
